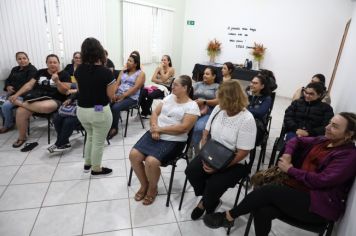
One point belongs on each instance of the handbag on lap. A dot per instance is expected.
(215, 154)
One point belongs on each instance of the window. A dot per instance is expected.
(41, 27)
(147, 29)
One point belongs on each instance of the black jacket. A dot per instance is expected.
(310, 116)
(18, 77)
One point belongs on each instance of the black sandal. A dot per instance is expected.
(18, 143)
(29, 146)
(112, 133)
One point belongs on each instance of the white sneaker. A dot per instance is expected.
(52, 148)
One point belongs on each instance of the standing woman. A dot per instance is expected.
(96, 87)
(227, 70)
(130, 82)
(162, 78)
(19, 76)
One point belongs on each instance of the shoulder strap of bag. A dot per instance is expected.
(211, 123)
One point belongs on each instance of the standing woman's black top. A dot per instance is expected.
(92, 83)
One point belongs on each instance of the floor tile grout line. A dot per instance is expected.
(44, 197)
(86, 205)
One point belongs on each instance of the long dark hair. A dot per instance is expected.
(213, 71)
(266, 91)
(169, 59)
(92, 51)
(185, 80)
(136, 58)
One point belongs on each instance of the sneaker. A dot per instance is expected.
(217, 220)
(87, 168)
(64, 147)
(104, 171)
(52, 148)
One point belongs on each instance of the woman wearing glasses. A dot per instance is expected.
(309, 115)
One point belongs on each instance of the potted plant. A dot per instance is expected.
(214, 49)
(258, 52)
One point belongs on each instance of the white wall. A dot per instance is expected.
(302, 37)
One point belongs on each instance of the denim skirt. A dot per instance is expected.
(162, 150)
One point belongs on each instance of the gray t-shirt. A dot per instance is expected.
(204, 91)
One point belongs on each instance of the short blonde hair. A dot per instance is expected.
(231, 96)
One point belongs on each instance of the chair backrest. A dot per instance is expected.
(170, 86)
(116, 73)
(273, 97)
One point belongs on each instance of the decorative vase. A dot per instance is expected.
(212, 57)
(256, 64)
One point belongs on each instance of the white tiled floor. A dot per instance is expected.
(42, 194)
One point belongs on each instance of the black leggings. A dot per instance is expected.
(272, 201)
(212, 186)
(147, 100)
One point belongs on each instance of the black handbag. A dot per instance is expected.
(215, 154)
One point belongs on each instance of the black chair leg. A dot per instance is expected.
(127, 122)
(130, 177)
(85, 140)
(273, 154)
(170, 185)
(49, 130)
(139, 115)
(248, 226)
(183, 192)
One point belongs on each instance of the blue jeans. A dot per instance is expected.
(198, 129)
(120, 106)
(64, 127)
(7, 112)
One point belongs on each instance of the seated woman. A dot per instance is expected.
(130, 83)
(260, 103)
(205, 97)
(321, 171)
(162, 79)
(227, 70)
(234, 127)
(171, 122)
(65, 124)
(49, 82)
(316, 78)
(19, 76)
(309, 115)
(70, 68)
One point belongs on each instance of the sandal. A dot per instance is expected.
(148, 200)
(112, 133)
(18, 143)
(140, 195)
(29, 146)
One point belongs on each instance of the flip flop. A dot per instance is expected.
(18, 143)
(29, 146)
(140, 195)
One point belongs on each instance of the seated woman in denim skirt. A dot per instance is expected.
(170, 124)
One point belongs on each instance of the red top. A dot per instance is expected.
(310, 163)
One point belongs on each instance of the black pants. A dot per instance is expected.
(212, 186)
(270, 202)
(147, 100)
(64, 127)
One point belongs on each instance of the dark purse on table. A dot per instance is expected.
(215, 154)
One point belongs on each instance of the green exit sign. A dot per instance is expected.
(190, 22)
